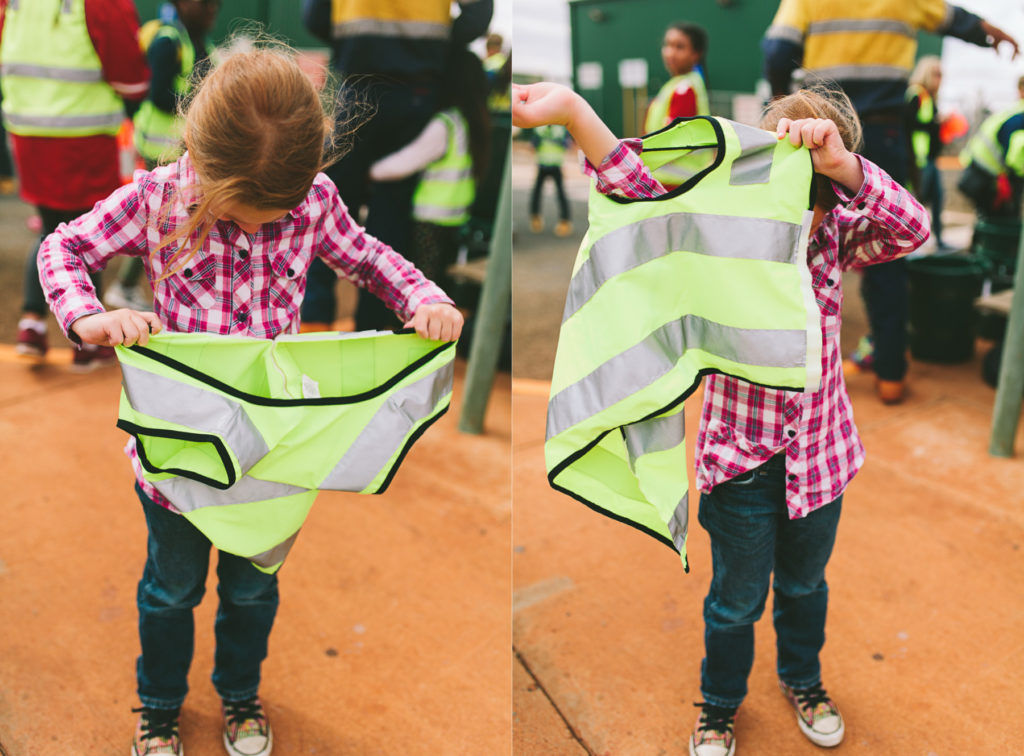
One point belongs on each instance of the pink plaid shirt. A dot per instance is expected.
(743, 425)
(236, 283)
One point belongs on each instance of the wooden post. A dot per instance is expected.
(492, 313)
(1010, 389)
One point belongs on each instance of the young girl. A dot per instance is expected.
(772, 465)
(226, 234)
(685, 94)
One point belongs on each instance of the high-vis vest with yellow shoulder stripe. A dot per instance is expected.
(52, 77)
(446, 189)
(414, 19)
(657, 112)
(710, 277)
(240, 434)
(984, 149)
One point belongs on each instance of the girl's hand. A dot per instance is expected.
(117, 327)
(540, 104)
(439, 322)
(829, 155)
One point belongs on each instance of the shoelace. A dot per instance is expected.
(811, 697)
(715, 717)
(158, 723)
(238, 712)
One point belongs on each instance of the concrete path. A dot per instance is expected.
(393, 631)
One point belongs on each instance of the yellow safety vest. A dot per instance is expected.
(446, 189)
(657, 113)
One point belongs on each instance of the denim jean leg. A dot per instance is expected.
(802, 550)
(248, 604)
(173, 583)
(741, 516)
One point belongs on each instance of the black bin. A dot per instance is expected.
(942, 314)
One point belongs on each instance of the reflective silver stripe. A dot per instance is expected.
(161, 140)
(841, 73)
(841, 25)
(12, 5)
(653, 435)
(678, 523)
(673, 173)
(387, 429)
(754, 165)
(642, 364)
(947, 20)
(381, 28)
(197, 409)
(276, 555)
(993, 152)
(436, 212)
(447, 174)
(633, 245)
(66, 7)
(57, 73)
(788, 33)
(65, 122)
(188, 495)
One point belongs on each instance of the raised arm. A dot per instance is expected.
(539, 104)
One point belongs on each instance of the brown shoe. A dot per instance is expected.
(563, 228)
(890, 392)
(536, 224)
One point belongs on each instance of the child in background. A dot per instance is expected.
(176, 47)
(226, 235)
(772, 465)
(550, 142)
(685, 94)
(452, 153)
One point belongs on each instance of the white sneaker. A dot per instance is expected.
(246, 729)
(117, 296)
(817, 714)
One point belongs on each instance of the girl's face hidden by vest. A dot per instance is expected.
(678, 53)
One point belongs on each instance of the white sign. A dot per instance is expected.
(633, 73)
(589, 75)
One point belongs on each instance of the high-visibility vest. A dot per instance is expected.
(158, 134)
(921, 138)
(984, 150)
(446, 189)
(239, 434)
(411, 19)
(710, 277)
(550, 144)
(657, 113)
(52, 77)
(497, 100)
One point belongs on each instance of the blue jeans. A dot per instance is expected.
(173, 582)
(751, 536)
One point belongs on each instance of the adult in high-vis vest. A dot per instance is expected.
(993, 176)
(549, 144)
(175, 46)
(495, 60)
(392, 55)
(450, 156)
(923, 124)
(65, 66)
(683, 50)
(772, 464)
(869, 51)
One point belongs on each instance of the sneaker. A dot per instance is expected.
(156, 734)
(31, 338)
(864, 355)
(536, 224)
(246, 729)
(118, 295)
(88, 357)
(563, 228)
(816, 713)
(712, 735)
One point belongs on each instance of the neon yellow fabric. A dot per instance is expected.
(983, 148)
(158, 133)
(446, 189)
(921, 139)
(657, 112)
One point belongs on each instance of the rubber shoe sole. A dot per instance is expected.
(730, 752)
(830, 740)
(235, 752)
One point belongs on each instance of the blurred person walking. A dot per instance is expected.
(497, 67)
(683, 50)
(68, 66)
(869, 52)
(550, 142)
(392, 56)
(923, 124)
(175, 45)
(993, 159)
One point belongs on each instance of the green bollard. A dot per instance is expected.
(1010, 389)
(492, 314)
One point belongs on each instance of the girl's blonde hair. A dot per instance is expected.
(925, 70)
(257, 131)
(818, 101)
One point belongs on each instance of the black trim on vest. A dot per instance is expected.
(139, 430)
(268, 402)
(405, 449)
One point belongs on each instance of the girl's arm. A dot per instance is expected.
(117, 225)
(429, 146)
(543, 103)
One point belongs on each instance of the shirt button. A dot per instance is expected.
(242, 255)
(187, 272)
(241, 316)
(791, 433)
(791, 477)
(830, 281)
(861, 205)
(290, 272)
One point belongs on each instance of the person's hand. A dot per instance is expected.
(829, 155)
(117, 327)
(542, 103)
(440, 322)
(998, 36)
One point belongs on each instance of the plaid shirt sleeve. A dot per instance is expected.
(623, 173)
(881, 222)
(369, 263)
(115, 226)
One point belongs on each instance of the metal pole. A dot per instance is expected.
(1010, 389)
(492, 313)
